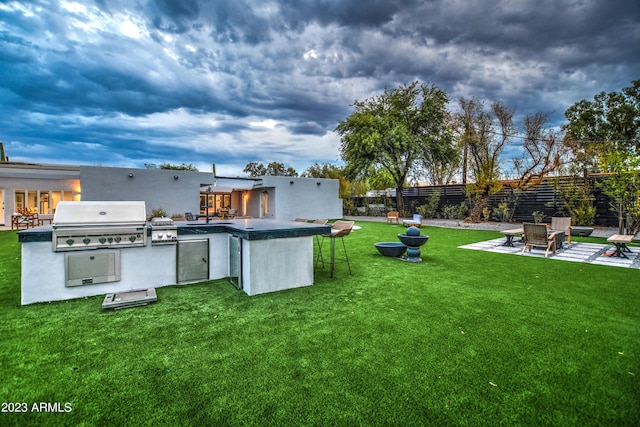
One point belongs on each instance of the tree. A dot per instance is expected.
(623, 188)
(169, 166)
(394, 131)
(542, 152)
(485, 135)
(255, 169)
(604, 135)
(482, 145)
(330, 171)
(611, 120)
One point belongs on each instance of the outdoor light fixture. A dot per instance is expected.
(318, 183)
(130, 174)
(291, 182)
(176, 177)
(265, 192)
(209, 190)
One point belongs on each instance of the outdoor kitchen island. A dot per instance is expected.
(258, 255)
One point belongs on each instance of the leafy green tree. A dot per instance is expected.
(604, 136)
(330, 171)
(610, 121)
(254, 169)
(169, 166)
(380, 179)
(394, 131)
(623, 188)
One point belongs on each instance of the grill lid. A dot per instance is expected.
(161, 221)
(98, 213)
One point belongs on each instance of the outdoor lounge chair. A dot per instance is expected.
(393, 216)
(562, 224)
(536, 235)
(416, 221)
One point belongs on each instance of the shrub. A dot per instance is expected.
(430, 210)
(486, 213)
(574, 198)
(502, 212)
(455, 211)
(538, 216)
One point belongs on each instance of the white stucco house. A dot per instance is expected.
(42, 187)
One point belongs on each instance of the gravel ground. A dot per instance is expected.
(497, 226)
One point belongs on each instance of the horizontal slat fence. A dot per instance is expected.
(539, 198)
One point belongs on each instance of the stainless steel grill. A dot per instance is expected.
(163, 231)
(94, 225)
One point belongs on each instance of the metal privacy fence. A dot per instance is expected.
(545, 197)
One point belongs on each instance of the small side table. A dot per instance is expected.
(510, 235)
(621, 241)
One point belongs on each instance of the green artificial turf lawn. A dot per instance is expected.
(464, 338)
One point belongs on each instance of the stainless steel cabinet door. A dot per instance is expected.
(192, 261)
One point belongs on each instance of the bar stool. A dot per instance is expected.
(318, 257)
(339, 229)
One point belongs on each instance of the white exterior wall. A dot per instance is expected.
(303, 198)
(276, 264)
(156, 187)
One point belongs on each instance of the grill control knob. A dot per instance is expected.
(86, 240)
(132, 238)
(118, 238)
(160, 235)
(70, 242)
(110, 239)
(102, 240)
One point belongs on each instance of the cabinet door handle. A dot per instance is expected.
(204, 260)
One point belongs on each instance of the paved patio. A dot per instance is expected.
(592, 253)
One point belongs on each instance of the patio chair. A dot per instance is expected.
(416, 221)
(393, 216)
(189, 216)
(562, 224)
(536, 235)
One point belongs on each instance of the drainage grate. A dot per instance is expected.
(129, 299)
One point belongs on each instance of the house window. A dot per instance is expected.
(215, 201)
(41, 201)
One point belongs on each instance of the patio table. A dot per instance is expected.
(510, 235)
(621, 241)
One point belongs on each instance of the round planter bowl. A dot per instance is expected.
(414, 241)
(581, 231)
(391, 249)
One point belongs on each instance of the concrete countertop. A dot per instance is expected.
(250, 229)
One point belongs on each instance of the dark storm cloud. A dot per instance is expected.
(228, 81)
(344, 13)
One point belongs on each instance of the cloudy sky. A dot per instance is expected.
(129, 82)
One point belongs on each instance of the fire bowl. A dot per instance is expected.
(413, 241)
(581, 231)
(392, 249)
